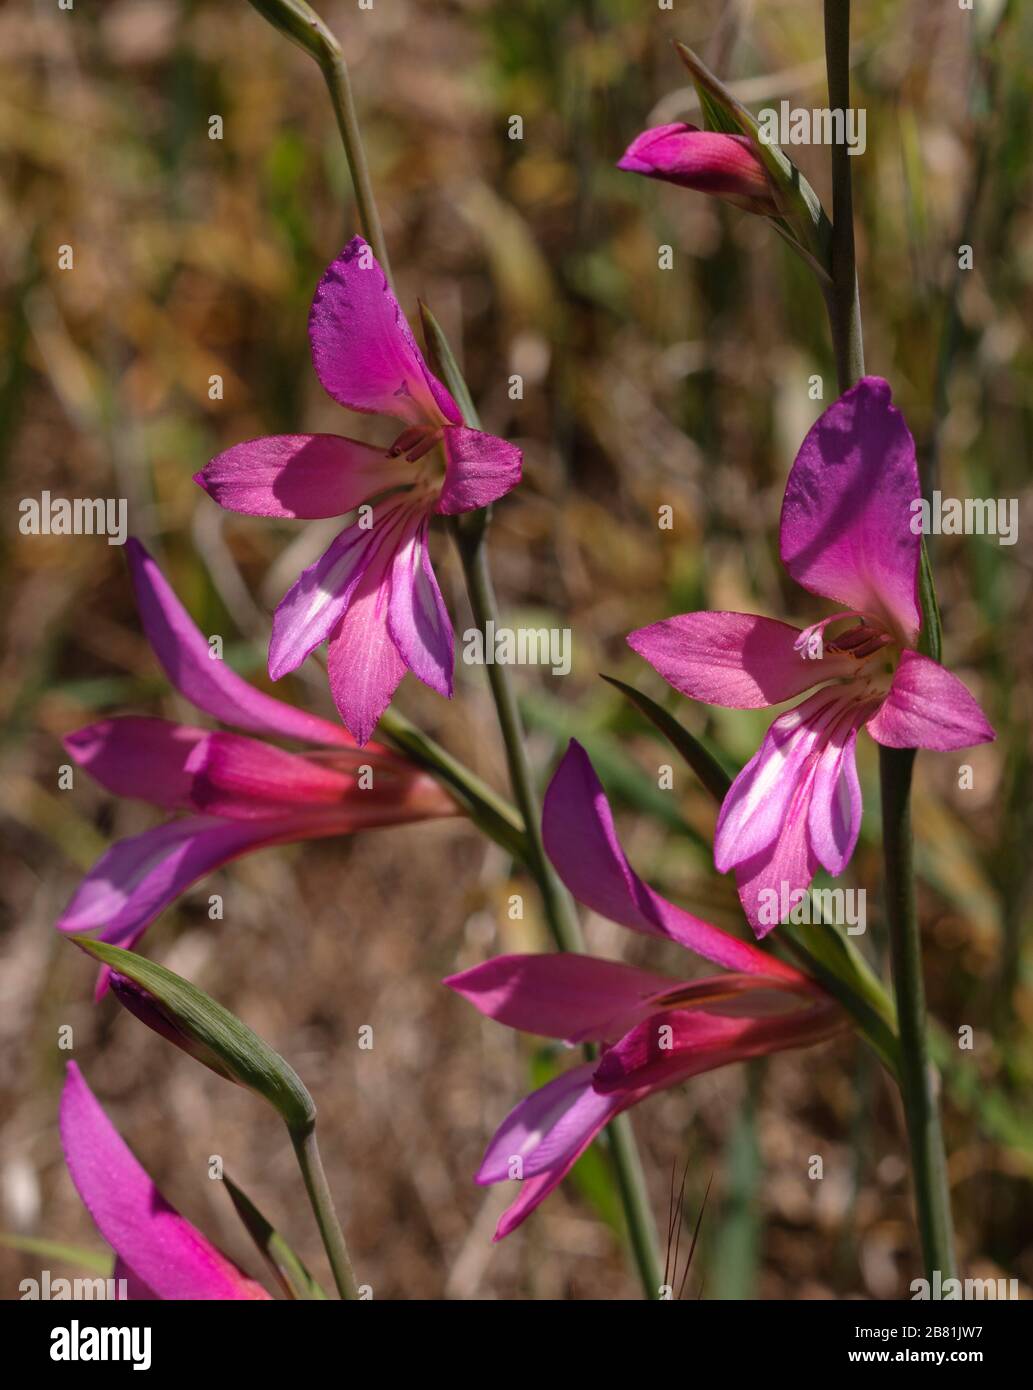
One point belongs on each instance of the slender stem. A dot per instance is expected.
(335, 71)
(560, 913)
(559, 908)
(318, 1190)
(300, 22)
(918, 1080)
(842, 299)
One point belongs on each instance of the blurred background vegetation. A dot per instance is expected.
(688, 387)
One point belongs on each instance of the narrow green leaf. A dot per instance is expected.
(194, 1022)
(443, 361)
(287, 1268)
(488, 810)
(703, 763)
(931, 639)
(97, 1261)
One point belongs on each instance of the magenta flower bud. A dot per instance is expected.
(726, 166)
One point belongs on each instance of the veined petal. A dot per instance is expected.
(210, 684)
(782, 872)
(548, 1129)
(363, 663)
(927, 707)
(581, 841)
(671, 1047)
(317, 601)
(736, 660)
(834, 814)
(300, 475)
(480, 468)
(758, 801)
(165, 1252)
(846, 516)
(364, 352)
(417, 618)
(708, 161)
(561, 996)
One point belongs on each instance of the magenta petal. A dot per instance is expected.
(318, 599)
(300, 475)
(166, 1254)
(581, 840)
(783, 870)
(480, 468)
(364, 352)
(927, 707)
(846, 516)
(671, 1047)
(207, 683)
(363, 663)
(243, 779)
(707, 161)
(734, 659)
(137, 878)
(834, 815)
(560, 996)
(139, 757)
(417, 618)
(548, 1129)
(758, 802)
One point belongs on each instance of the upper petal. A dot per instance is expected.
(560, 996)
(927, 707)
(207, 683)
(300, 475)
(847, 512)
(736, 660)
(480, 468)
(364, 352)
(165, 1252)
(581, 841)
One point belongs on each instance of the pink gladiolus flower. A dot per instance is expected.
(666, 1030)
(707, 161)
(846, 534)
(158, 1253)
(240, 793)
(372, 596)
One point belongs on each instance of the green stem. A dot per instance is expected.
(841, 297)
(918, 1080)
(335, 71)
(318, 1190)
(303, 26)
(560, 913)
